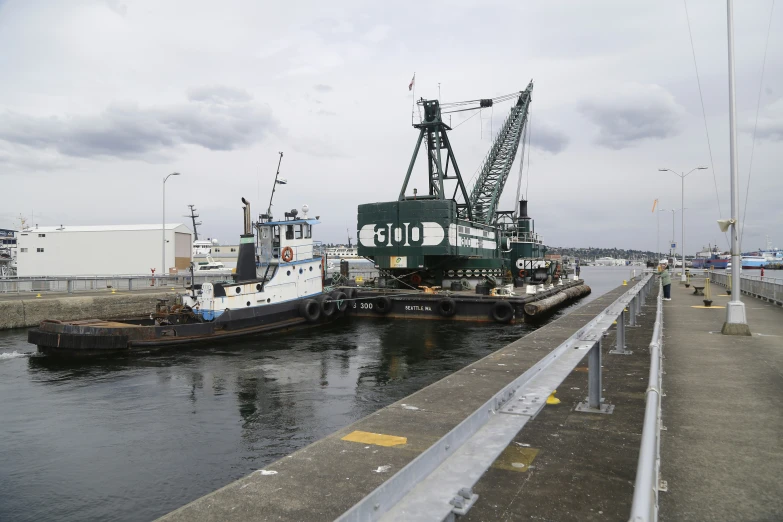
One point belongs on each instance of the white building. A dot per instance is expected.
(102, 250)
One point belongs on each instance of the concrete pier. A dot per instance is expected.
(565, 466)
(722, 452)
(25, 310)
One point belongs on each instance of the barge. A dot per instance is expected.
(278, 285)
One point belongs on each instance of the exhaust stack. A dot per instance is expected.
(246, 259)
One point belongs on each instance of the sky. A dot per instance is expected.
(101, 99)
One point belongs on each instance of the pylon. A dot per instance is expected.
(39, 295)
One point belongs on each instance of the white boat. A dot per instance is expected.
(343, 252)
(210, 267)
(203, 247)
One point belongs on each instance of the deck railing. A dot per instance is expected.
(75, 284)
(767, 287)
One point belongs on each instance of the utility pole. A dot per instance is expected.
(736, 320)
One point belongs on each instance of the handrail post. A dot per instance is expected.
(619, 348)
(594, 402)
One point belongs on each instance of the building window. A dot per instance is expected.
(233, 249)
(23, 250)
(41, 235)
(39, 250)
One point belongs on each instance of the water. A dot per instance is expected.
(132, 438)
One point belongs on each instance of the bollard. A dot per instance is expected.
(130, 284)
(69, 284)
(594, 403)
(619, 347)
(707, 293)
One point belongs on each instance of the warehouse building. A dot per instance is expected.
(102, 250)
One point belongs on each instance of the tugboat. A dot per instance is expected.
(491, 264)
(278, 285)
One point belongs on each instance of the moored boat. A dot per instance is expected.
(278, 285)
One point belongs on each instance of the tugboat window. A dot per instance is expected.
(289, 232)
(298, 231)
(239, 290)
(308, 231)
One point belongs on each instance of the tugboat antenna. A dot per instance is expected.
(274, 185)
(193, 217)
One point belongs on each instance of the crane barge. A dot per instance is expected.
(449, 237)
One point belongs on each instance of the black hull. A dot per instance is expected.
(465, 307)
(96, 337)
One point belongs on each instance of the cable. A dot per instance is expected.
(753, 145)
(704, 115)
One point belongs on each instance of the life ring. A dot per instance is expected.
(328, 306)
(447, 307)
(502, 312)
(522, 273)
(382, 305)
(287, 254)
(310, 310)
(416, 279)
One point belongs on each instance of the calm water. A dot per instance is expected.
(132, 438)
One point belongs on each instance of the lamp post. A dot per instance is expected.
(671, 250)
(682, 203)
(736, 320)
(658, 245)
(163, 228)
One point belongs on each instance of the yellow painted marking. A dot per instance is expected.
(697, 306)
(724, 295)
(516, 458)
(378, 439)
(581, 369)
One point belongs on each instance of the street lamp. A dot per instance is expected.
(682, 203)
(163, 228)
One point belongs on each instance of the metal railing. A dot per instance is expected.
(437, 484)
(75, 284)
(766, 287)
(648, 483)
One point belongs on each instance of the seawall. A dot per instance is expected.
(30, 311)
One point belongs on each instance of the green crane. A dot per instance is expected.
(497, 165)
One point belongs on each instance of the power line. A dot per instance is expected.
(704, 115)
(758, 106)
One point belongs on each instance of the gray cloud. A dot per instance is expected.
(117, 6)
(770, 126)
(217, 118)
(550, 139)
(219, 94)
(323, 88)
(633, 114)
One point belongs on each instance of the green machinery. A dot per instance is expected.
(448, 233)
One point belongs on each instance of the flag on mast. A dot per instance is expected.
(413, 80)
(655, 203)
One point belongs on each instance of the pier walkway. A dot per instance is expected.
(722, 452)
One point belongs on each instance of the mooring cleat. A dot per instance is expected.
(552, 399)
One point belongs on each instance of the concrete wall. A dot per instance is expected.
(21, 313)
(72, 252)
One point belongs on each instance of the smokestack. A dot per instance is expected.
(523, 208)
(246, 259)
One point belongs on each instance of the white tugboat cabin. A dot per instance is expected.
(275, 266)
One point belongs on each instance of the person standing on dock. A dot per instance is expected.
(666, 281)
(578, 269)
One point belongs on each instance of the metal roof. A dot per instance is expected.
(101, 228)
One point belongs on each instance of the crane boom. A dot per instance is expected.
(489, 186)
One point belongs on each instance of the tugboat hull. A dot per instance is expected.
(96, 337)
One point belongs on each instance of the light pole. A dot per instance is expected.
(163, 228)
(658, 245)
(736, 320)
(671, 250)
(682, 203)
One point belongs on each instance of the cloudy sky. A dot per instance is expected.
(100, 99)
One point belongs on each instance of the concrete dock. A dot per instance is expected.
(564, 466)
(25, 309)
(722, 452)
